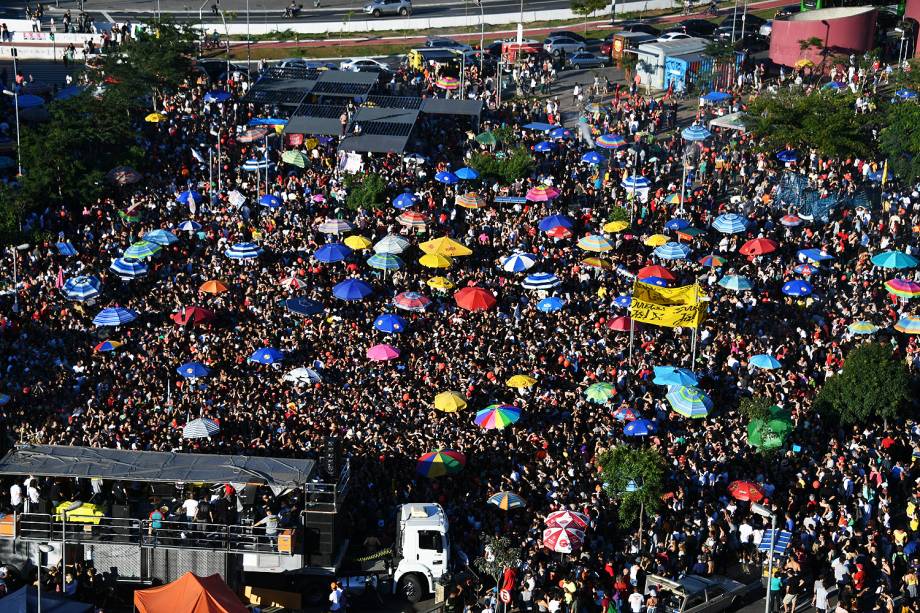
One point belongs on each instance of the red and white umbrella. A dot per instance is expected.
(563, 540)
(566, 519)
(291, 283)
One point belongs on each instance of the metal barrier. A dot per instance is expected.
(154, 533)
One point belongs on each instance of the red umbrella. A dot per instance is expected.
(746, 490)
(566, 519)
(559, 232)
(192, 315)
(620, 324)
(474, 299)
(563, 540)
(656, 271)
(758, 246)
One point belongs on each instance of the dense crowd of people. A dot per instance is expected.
(848, 495)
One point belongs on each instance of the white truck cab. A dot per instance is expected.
(422, 549)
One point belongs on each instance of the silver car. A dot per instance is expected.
(378, 8)
(695, 594)
(555, 45)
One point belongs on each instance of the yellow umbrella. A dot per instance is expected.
(615, 226)
(434, 260)
(155, 118)
(596, 262)
(311, 143)
(656, 240)
(449, 402)
(520, 381)
(358, 242)
(440, 283)
(445, 246)
(804, 63)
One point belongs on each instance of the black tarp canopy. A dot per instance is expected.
(382, 130)
(154, 466)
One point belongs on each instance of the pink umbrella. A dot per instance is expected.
(542, 193)
(563, 540)
(382, 353)
(566, 519)
(620, 324)
(319, 198)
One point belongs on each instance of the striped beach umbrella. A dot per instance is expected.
(735, 283)
(411, 301)
(908, 324)
(633, 183)
(128, 268)
(672, 251)
(689, 401)
(81, 288)
(200, 428)
(506, 501)
(161, 237)
(106, 346)
(497, 416)
(518, 262)
(470, 200)
(595, 243)
(142, 250)
(542, 193)
(385, 261)
(412, 219)
(114, 316)
(243, 251)
(903, 288)
(391, 243)
(610, 141)
(335, 226)
(541, 280)
(862, 327)
(440, 463)
(695, 133)
(712, 261)
(730, 223)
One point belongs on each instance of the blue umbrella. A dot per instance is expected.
(544, 146)
(676, 224)
(548, 305)
(332, 252)
(28, 101)
(656, 281)
(268, 355)
(632, 183)
(385, 261)
(391, 324)
(814, 255)
(689, 401)
(270, 200)
(797, 287)
(81, 288)
(696, 132)
(671, 375)
(114, 316)
(467, 174)
(161, 237)
(541, 280)
(730, 223)
(787, 155)
(640, 427)
(552, 221)
(193, 370)
(446, 177)
(66, 248)
(243, 251)
(894, 259)
(303, 306)
(623, 301)
(764, 361)
(560, 132)
(835, 85)
(672, 251)
(69, 92)
(189, 225)
(518, 262)
(592, 157)
(189, 196)
(128, 268)
(405, 200)
(253, 165)
(716, 97)
(735, 283)
(217, 96)
(903, 94)
(352, 289)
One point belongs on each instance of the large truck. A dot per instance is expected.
(288, 562)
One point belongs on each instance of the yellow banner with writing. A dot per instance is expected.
(686, 294)
(669, 316)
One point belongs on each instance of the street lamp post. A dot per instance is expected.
(201, 20)
(482, 38)
(42, 548)
(763, 511)
(15, 96)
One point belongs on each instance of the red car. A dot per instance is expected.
(607, 46)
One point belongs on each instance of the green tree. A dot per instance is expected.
(623, 468)
(872, 385)
(586, 8)
(499, 553)
(365, 191)
(513, 165)
(755, 407)
(899, 140)
(618, 213)
(11, 213)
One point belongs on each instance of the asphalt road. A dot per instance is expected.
(268, 11)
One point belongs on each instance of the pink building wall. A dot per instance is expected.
(841, 28)
(912, 11)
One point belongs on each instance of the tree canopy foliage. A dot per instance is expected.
(634, 477)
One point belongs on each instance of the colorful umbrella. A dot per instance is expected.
(106, 346)
(541, 281)
(594, 243)
(439, 463)
(382, 353)
(161, 237)
(295, 158)
(335, 226)
(251, 135)
(908, 324)
(672, 251)
(518, 262)
(385, 261)
(610, 141)
(862, 327)
(193, 370)
(474, 299)
(712, 261)
(600, 392)
(689, 401)
(903, 288)
(470, 200)
(450, 402)
(553, 221)
(542, 193)
(81, 288)
(497, 416)
(142, 250)
(449, 83)
(411, 301)
(507, 501)
(563, 540)
(730, 223)
(155, 118)
(566, 519)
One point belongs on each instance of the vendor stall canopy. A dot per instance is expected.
(154, 466)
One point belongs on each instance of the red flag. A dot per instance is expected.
(59, 282)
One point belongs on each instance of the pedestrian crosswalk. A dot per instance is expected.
(51, 73)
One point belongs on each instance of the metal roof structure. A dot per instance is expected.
(283, 92)
(395, 102)
(317, 119)
(445, 106)
(154, 466)
(379, 130)
(343, 84)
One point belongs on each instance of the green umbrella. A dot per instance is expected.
(770, 432)
(486, 138)
(295, 158)
(600, 392)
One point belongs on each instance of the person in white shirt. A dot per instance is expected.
(16, 497)
(191, 508)
(335, 597)
(32, 495)
(636, 601)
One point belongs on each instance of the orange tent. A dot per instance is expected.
(190, 594)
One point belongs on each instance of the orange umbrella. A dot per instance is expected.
(212, 287)
(474, 299)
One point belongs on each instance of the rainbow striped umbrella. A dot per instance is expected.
(908, 324)
(610, 141)
(712, 261)
(903, 288)
(507, 501)
(470, 200)
(440, 462)
(595, 243)
(497, 416)
(448, 83)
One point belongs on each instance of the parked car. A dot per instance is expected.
(586, 59)
(766, 30)
(695, 27)
(607, 45)
(749, 39)
(637, 26)
(299, 62)
(568, 34)
(378, 8)
(695, 594)
(673, 35)
(750, 20)
(447, 43)
(788, 11)
(364, 64)
(556, 45)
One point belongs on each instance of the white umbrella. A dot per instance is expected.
(200, 428)
(303, 375)
(391, 243)
(236, 199)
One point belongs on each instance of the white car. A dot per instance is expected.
(668, 36)
(363, 64)
(766, 29)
